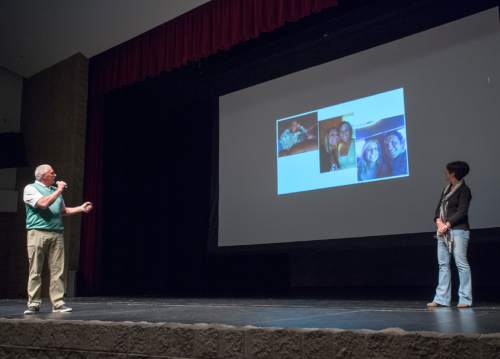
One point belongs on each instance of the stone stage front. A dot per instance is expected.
(248, 328)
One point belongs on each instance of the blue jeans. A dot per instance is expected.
(443, 290)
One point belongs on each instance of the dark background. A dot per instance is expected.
(161, 168)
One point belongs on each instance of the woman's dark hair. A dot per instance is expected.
(459, 168)
(346, 124)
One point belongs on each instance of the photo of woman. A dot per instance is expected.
(346, 147)
(371, 164)
(331, 141)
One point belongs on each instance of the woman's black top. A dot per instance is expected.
(458, 207)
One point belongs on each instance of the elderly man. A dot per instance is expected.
(44, 210)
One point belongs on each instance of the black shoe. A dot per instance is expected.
(32, 310)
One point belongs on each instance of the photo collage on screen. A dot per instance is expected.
(357, 141)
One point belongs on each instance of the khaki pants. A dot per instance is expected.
(41, 245)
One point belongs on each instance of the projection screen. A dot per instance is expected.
(297, 154)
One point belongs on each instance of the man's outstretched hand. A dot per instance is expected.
(87, 207)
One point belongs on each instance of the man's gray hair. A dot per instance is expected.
(41, 170)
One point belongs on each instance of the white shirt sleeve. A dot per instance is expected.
(31, 195)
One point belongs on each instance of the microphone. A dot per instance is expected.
(65, 185)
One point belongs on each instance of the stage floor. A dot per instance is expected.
(295, 313)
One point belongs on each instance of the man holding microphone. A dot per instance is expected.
(44, 210)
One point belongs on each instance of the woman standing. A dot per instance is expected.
(452, 223)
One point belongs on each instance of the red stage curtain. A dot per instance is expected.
(216, 25)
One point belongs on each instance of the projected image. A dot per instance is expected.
(395, 150)
(352, 142)
(382, 149)
(297, 135)
(337, 151)
(371, 164)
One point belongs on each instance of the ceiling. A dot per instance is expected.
(35, 35)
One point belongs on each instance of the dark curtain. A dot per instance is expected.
(91, 234)
(217, 25)
(156, 186)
